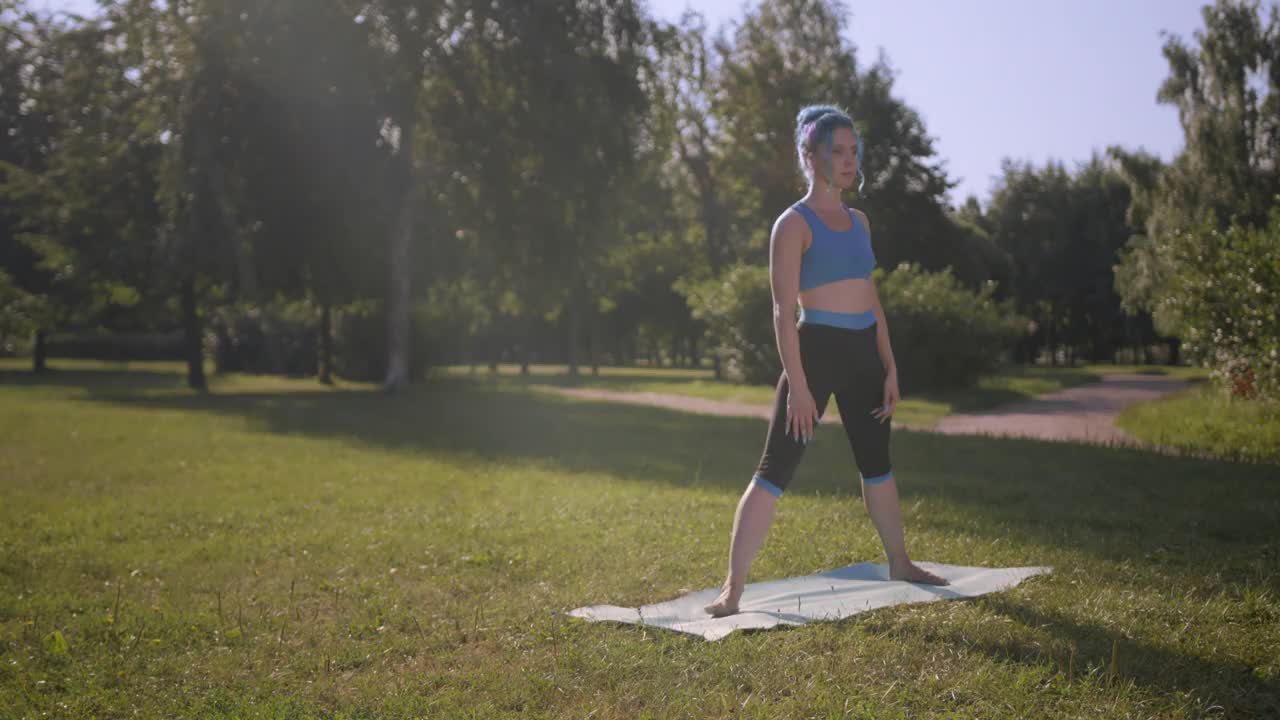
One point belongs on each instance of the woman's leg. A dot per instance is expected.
(869, 439)
(881, 501)
(782, 454)
(750, 525)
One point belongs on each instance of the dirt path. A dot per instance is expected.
(1084, 413)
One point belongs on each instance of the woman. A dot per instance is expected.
(820, 254)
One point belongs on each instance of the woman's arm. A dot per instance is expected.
(786, 246)
(785, 249)
(882, 336)
(891, 393)
(882, 326)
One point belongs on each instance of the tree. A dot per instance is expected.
(1227, 92)
(310, 164)
(559, 82)
(1226, 87)
(791, 53)
(80, 177)
(411, 36)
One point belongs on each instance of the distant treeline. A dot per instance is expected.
(371, 187)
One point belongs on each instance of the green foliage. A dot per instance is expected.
(737, 308)
(1062, 231)
(279, 338)
(1226, 88)
(1226, 290)
(784, 55)
(55, 644)
(360, 338)
(116, 346)
(359, 341)
(21, 313)
(943, 334)
(1194, 211)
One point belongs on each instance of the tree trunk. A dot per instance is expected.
(191, 336)
(41, 353)
(575, 323)
(594, 340)
(398, 293)
(326, 343)
(1175, 347)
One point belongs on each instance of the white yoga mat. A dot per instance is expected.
(830, 595)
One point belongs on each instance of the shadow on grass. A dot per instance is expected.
(1115, 504)
(1235, 686)
(1051, 491)
(618, 380)
(124, 380)
(1194, 517)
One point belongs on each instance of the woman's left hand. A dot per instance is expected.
(891, 397)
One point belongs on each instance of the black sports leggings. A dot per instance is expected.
(844, 362)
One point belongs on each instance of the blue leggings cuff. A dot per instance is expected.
(877, 479)
(774, 490)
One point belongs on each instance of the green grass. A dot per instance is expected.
(922, 412)
(1205, 420)
(276, 549)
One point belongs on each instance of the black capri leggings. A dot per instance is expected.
(844, 362)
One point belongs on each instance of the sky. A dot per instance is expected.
(1030, 80)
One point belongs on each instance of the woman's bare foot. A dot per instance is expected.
(915, 574)
(726, 604)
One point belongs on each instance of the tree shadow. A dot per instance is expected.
(1194, 518)
(617, 380)
(1231, 684)
(1115, 503)
(125, 380)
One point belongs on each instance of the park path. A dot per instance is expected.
(1083, 413)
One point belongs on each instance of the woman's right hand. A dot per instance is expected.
(802, 414)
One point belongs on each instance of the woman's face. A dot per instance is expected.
(844, 159)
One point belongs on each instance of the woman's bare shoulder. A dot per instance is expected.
(790, 222)
(863, 217)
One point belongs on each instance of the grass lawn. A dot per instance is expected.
(1205, 420)
(276, 549)
(1010, 384)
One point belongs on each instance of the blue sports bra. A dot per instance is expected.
(834, 255)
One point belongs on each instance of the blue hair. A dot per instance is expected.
(815, 127)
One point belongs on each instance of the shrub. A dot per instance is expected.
(1225, 290)
(943, 334)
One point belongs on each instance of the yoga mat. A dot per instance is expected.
(831, 595)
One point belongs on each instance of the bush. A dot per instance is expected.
(275, 338)
(360, 339)
(738, 311)
(360, 342)
(115, 346)
(1225, 290)
(943, 335)
(20, 315)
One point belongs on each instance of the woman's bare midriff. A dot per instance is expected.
(851, 295)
